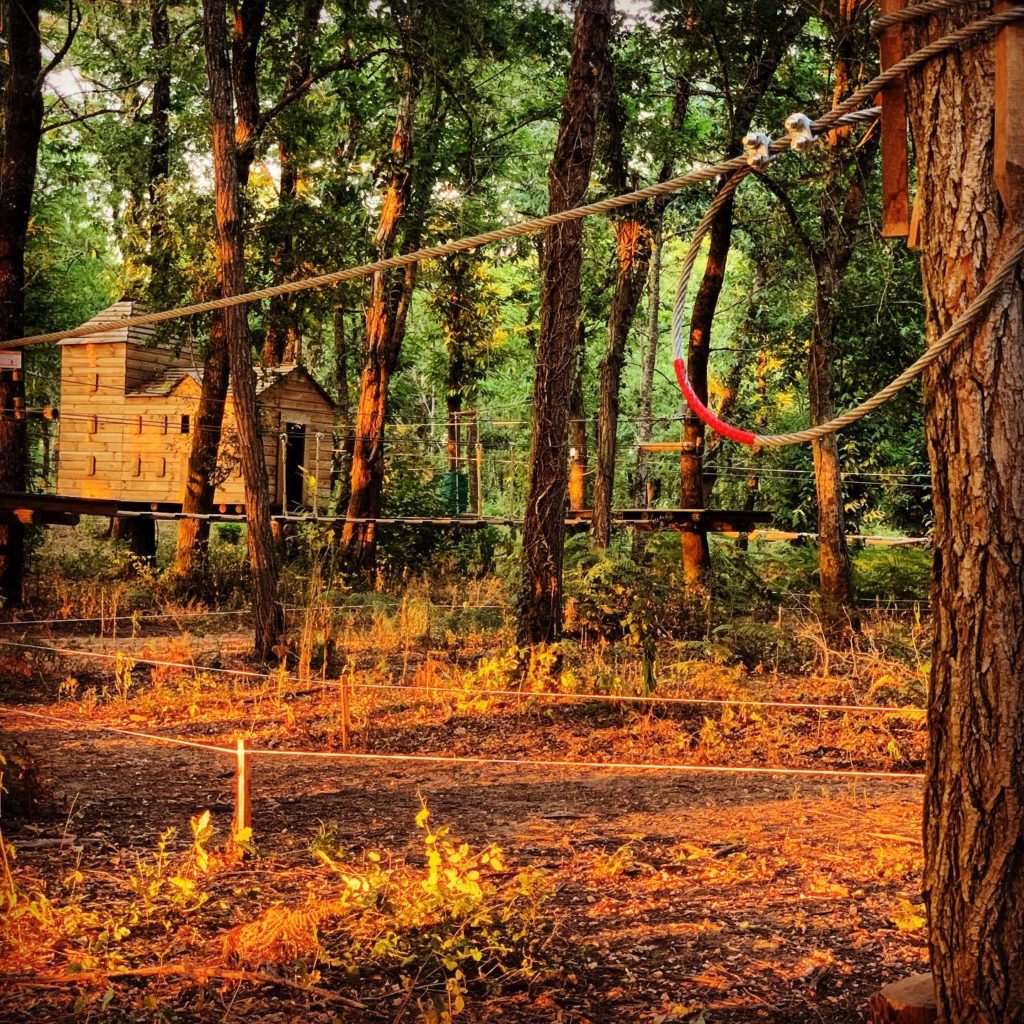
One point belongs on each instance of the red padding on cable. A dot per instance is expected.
(705, 414)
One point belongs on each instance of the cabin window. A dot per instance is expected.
(94, 424)
(137, 467)
(163, 466)
(184, 424)
(92, 465)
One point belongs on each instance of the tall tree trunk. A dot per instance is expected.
(283, 342)
(386, 310)
(191, 551)
(771, 49)
(540, 608)
(21, 110)
(267, 615)
(691, 460)
(159, 141)
(646, 422)
(842, 205)
(632, 257)
(974, 420)
(834, 570)
(344, 440)
(633, 254)
(578, 431)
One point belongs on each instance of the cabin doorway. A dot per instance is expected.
(294, 463)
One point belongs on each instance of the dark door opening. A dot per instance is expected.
(294, 462)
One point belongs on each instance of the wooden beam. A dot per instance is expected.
(895, 165)
(660, 446)
(914, 235)
(1009, 124)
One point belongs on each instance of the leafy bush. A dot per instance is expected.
(761, 645)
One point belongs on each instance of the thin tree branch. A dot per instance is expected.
(78, 118)
(299, 90)
(787, 204)
(74, 24)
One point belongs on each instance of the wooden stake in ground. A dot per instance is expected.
(243, 791)
(910, 1001)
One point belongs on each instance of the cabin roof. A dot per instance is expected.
(266, 377)
(119, 334)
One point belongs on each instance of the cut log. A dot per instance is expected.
(910, 1001)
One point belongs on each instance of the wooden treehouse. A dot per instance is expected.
(128, 408)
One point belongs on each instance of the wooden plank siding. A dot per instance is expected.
(132, 446)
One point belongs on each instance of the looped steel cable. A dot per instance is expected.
(835, 118)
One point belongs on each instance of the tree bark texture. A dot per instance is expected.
(849, 165)
(21, 110)
(540, 606)
(691, 460)
(386, 311)
(645, 425)
(267, 614)
(342, 454)
(974, 421)
(632, 258)
(192, 549)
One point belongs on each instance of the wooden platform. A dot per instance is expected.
(55, 509)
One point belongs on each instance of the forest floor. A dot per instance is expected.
(628, 895)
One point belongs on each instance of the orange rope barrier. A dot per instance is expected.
(488, 692)
(528, 762)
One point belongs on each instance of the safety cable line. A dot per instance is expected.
(543, 694)
(522, 229)
(462, 759)
(920, 10)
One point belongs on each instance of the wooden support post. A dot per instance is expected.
(346, 716)
(316, 476)
(895, 168)
(910, 1001)
(473, 451)
(243, 791)
(1008, 150)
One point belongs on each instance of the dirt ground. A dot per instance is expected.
(698, 897)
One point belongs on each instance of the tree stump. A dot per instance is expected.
(910, 1001)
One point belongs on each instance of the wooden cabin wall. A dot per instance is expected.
(296, 400)
(140, 449)
(155, 446)
(92, 383)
